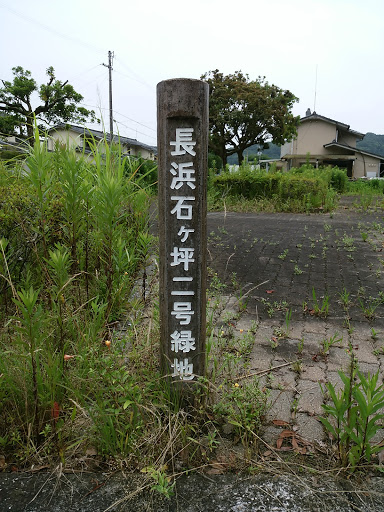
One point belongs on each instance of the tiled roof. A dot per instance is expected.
(355, 150)
(343, 126)
(101, 135)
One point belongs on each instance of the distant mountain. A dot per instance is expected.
(251, 153)
(372, 143)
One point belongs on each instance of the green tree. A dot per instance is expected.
(59, 103)
(8, 123)
(243, 112)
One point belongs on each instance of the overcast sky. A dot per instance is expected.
(290, 42)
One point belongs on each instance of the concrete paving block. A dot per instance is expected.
(266, 328)
(283, 379)
(309, 428)
(270, 434)
(309, 355)
(286, 350)
(366, 368)
(378, 437)
(260, 358)
(364, 350)
(281, 404)
(310, 397)
(312, 339)
(338, 359)
(316, 327)
(298, 329)
(231, 307)
(335, 333)
(361, 330)
(334, 378)
(315, 372)
(246, 324)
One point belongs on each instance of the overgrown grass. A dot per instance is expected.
(79, 366)
(367, 193)
(363, 186)
(301, 190)
(73, 237)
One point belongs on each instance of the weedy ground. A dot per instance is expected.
(80, 385)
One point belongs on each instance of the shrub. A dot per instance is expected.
(339, 179)
(247, 184)
(73, 236)
(301, 190)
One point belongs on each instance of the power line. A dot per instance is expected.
(137, 77)
(134, 121)
(75, 77)
(122, 124)
(120, 114)
(55, 32)
(137, 131)
(101, 75)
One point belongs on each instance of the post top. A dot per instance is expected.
(180, 79)
(182, 97)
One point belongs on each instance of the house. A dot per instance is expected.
(82, 138)
(11, 146)
(324, 141)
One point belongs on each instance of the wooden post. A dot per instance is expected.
(182, 110)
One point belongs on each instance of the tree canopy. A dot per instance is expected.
(244, 112)
(59, 102)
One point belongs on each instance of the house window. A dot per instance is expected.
(87, 142)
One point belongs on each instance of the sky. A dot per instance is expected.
(328, 53)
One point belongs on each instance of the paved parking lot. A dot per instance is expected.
(314, 286)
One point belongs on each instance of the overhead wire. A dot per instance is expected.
(123, 115)
(53, 31)
(137, 131)
(98, 50)
(72, 78)
(121, 123)
(137, 77)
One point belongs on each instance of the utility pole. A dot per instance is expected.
(109, 66)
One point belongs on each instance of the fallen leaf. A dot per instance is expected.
(280, 423)
(55, 411)
(267, 453)
(295, 444)
(216, 468)
(35, 469)
(269, 291)
(287, 433)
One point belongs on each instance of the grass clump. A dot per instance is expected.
(354, 416)
(79, 332)
(300, 190)
(73, 237)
